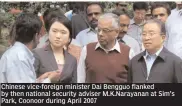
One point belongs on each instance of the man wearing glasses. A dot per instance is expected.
(156, 64)
(105, 61)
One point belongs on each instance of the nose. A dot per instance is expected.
(125, 29)
(100, 33)
(58, 35)
(159, 17)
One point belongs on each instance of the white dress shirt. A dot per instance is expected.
(174, 33)
(132, 43)
(81, 72)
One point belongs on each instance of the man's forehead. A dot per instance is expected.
(124, 17)
(151, 26)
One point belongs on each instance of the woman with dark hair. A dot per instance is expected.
(54, 56)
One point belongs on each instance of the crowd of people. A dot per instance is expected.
(94, 46)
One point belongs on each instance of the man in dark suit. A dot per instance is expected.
(156, 64)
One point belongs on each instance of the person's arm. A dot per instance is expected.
(18, 71)
(81, 74)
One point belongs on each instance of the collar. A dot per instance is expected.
(91, 30)
(116, 47)
(160, 53)
(132, 21)
(157, 53)
(19, 44)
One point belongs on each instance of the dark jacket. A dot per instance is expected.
(167, 68)
(45, 62)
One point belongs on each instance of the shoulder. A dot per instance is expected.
(137, 57)
(38, 51)
(70, 57)
(81, 33)
(124, 45)
(172, 57)
(127, 37)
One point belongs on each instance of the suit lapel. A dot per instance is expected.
(53, 62)
(65, 71)
(51, 58)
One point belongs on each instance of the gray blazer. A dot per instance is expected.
(46, 62)
(167, 68)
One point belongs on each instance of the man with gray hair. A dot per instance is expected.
(156, 64)
(105, 61)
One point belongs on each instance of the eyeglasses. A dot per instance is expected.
(124, 25)
(150, 34)
(104, 30)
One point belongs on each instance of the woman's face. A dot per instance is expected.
(58, 35)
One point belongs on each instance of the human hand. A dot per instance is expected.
(54, 76)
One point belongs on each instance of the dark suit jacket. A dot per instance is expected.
(45, 62)
(167, 68)
(79, 22)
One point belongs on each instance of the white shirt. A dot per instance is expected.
(174, 33)
(81, 72)
(135, 31)
(86, 36)
(132, 43)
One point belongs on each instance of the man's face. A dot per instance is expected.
(151, 37)
(160, 13)
(122, 6)
(179, 4)
(107, 34)
(93, 13)
(124, 23)
(139, 15)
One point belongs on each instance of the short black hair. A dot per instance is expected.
(120, 12)
(27, 25)
(95, 3)
(49, 14)
(65, 21)
(140, 5)
(161, 4)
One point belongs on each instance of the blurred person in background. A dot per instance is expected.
(161, 11)
(136, 24)
(89, 35)
(174, 31)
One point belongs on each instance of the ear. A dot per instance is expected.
(163, 37)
